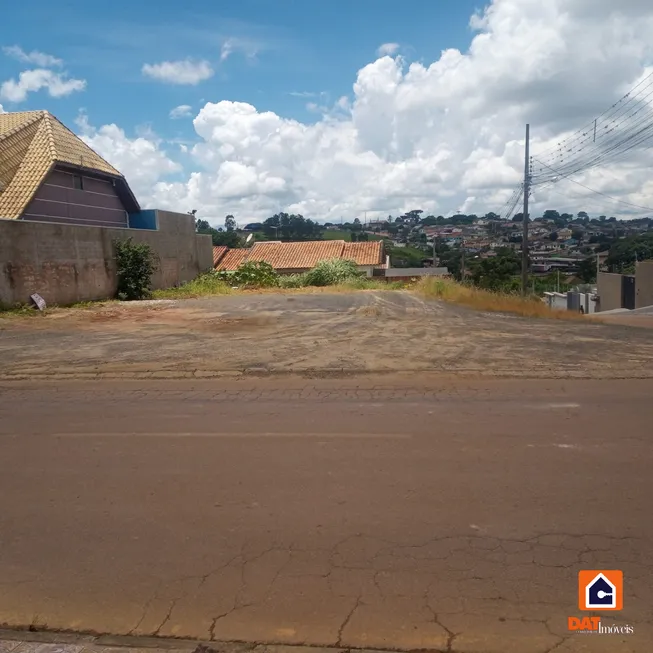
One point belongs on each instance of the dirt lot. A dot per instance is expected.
(321, 333)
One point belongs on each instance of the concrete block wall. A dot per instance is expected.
(71, 263)
(609, 291)
(644, 284)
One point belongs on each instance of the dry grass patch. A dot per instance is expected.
(204, 286)
(485, 300)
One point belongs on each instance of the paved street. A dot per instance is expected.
(389, 512)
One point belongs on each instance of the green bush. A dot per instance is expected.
(222, 275)
(135, 264)
(332, 272)
(292, 281)
(255, 274)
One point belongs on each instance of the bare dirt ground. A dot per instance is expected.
(319, 333)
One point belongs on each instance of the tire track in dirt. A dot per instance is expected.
(357, 331)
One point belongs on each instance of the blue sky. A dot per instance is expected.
(260, 131)
(281, 47)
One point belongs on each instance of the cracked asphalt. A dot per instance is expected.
(390, 512)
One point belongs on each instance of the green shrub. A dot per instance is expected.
(255, 274)
(135, 264)
(292, 281)
(332, 272)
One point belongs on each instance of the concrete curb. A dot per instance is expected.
(320, 373)
(105, 644)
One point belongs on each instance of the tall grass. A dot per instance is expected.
(204, 286)
(486, 300)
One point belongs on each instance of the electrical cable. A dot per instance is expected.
(598, 192)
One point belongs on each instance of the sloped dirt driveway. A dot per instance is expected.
(314, 334)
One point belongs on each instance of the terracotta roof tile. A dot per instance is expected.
(31, 142)
(370, 253)
(218, 252)
(300, 256)
(290, 256)
(232, 259)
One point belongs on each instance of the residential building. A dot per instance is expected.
(48, 174)
(296, 257)
(63, 207)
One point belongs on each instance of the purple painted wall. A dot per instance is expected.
(59, 199)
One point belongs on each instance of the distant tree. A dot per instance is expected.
(230, 223)
(357, 225)
(203, 227)
(429, 221)
(496, 272)
(553, 236)
(587, 270)
(518, 217)
(550, 214)
(414, 215)
(582, 214)
(624, 253)
(492, 216)
(576, 234)
(219, 237)
(291, 228)
(228, 239)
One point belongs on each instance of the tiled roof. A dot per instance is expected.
(303, 255)
(31, 142)
(218, 252)
(370, 253)
(232, 259)
(288, 256)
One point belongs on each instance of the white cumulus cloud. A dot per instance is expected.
(34, 57)
(185, 71)
(236, 44)
(30, 81)
(387, 49)
(441, 135)
(141, 160)
(182, 111)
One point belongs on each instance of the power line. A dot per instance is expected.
(511, 203)
(598, 192)
(610, 115)
(626, 125)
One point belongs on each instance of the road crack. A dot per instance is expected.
(346, 620)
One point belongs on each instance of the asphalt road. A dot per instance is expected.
(401, 513)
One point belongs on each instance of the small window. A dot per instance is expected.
(78, 183)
